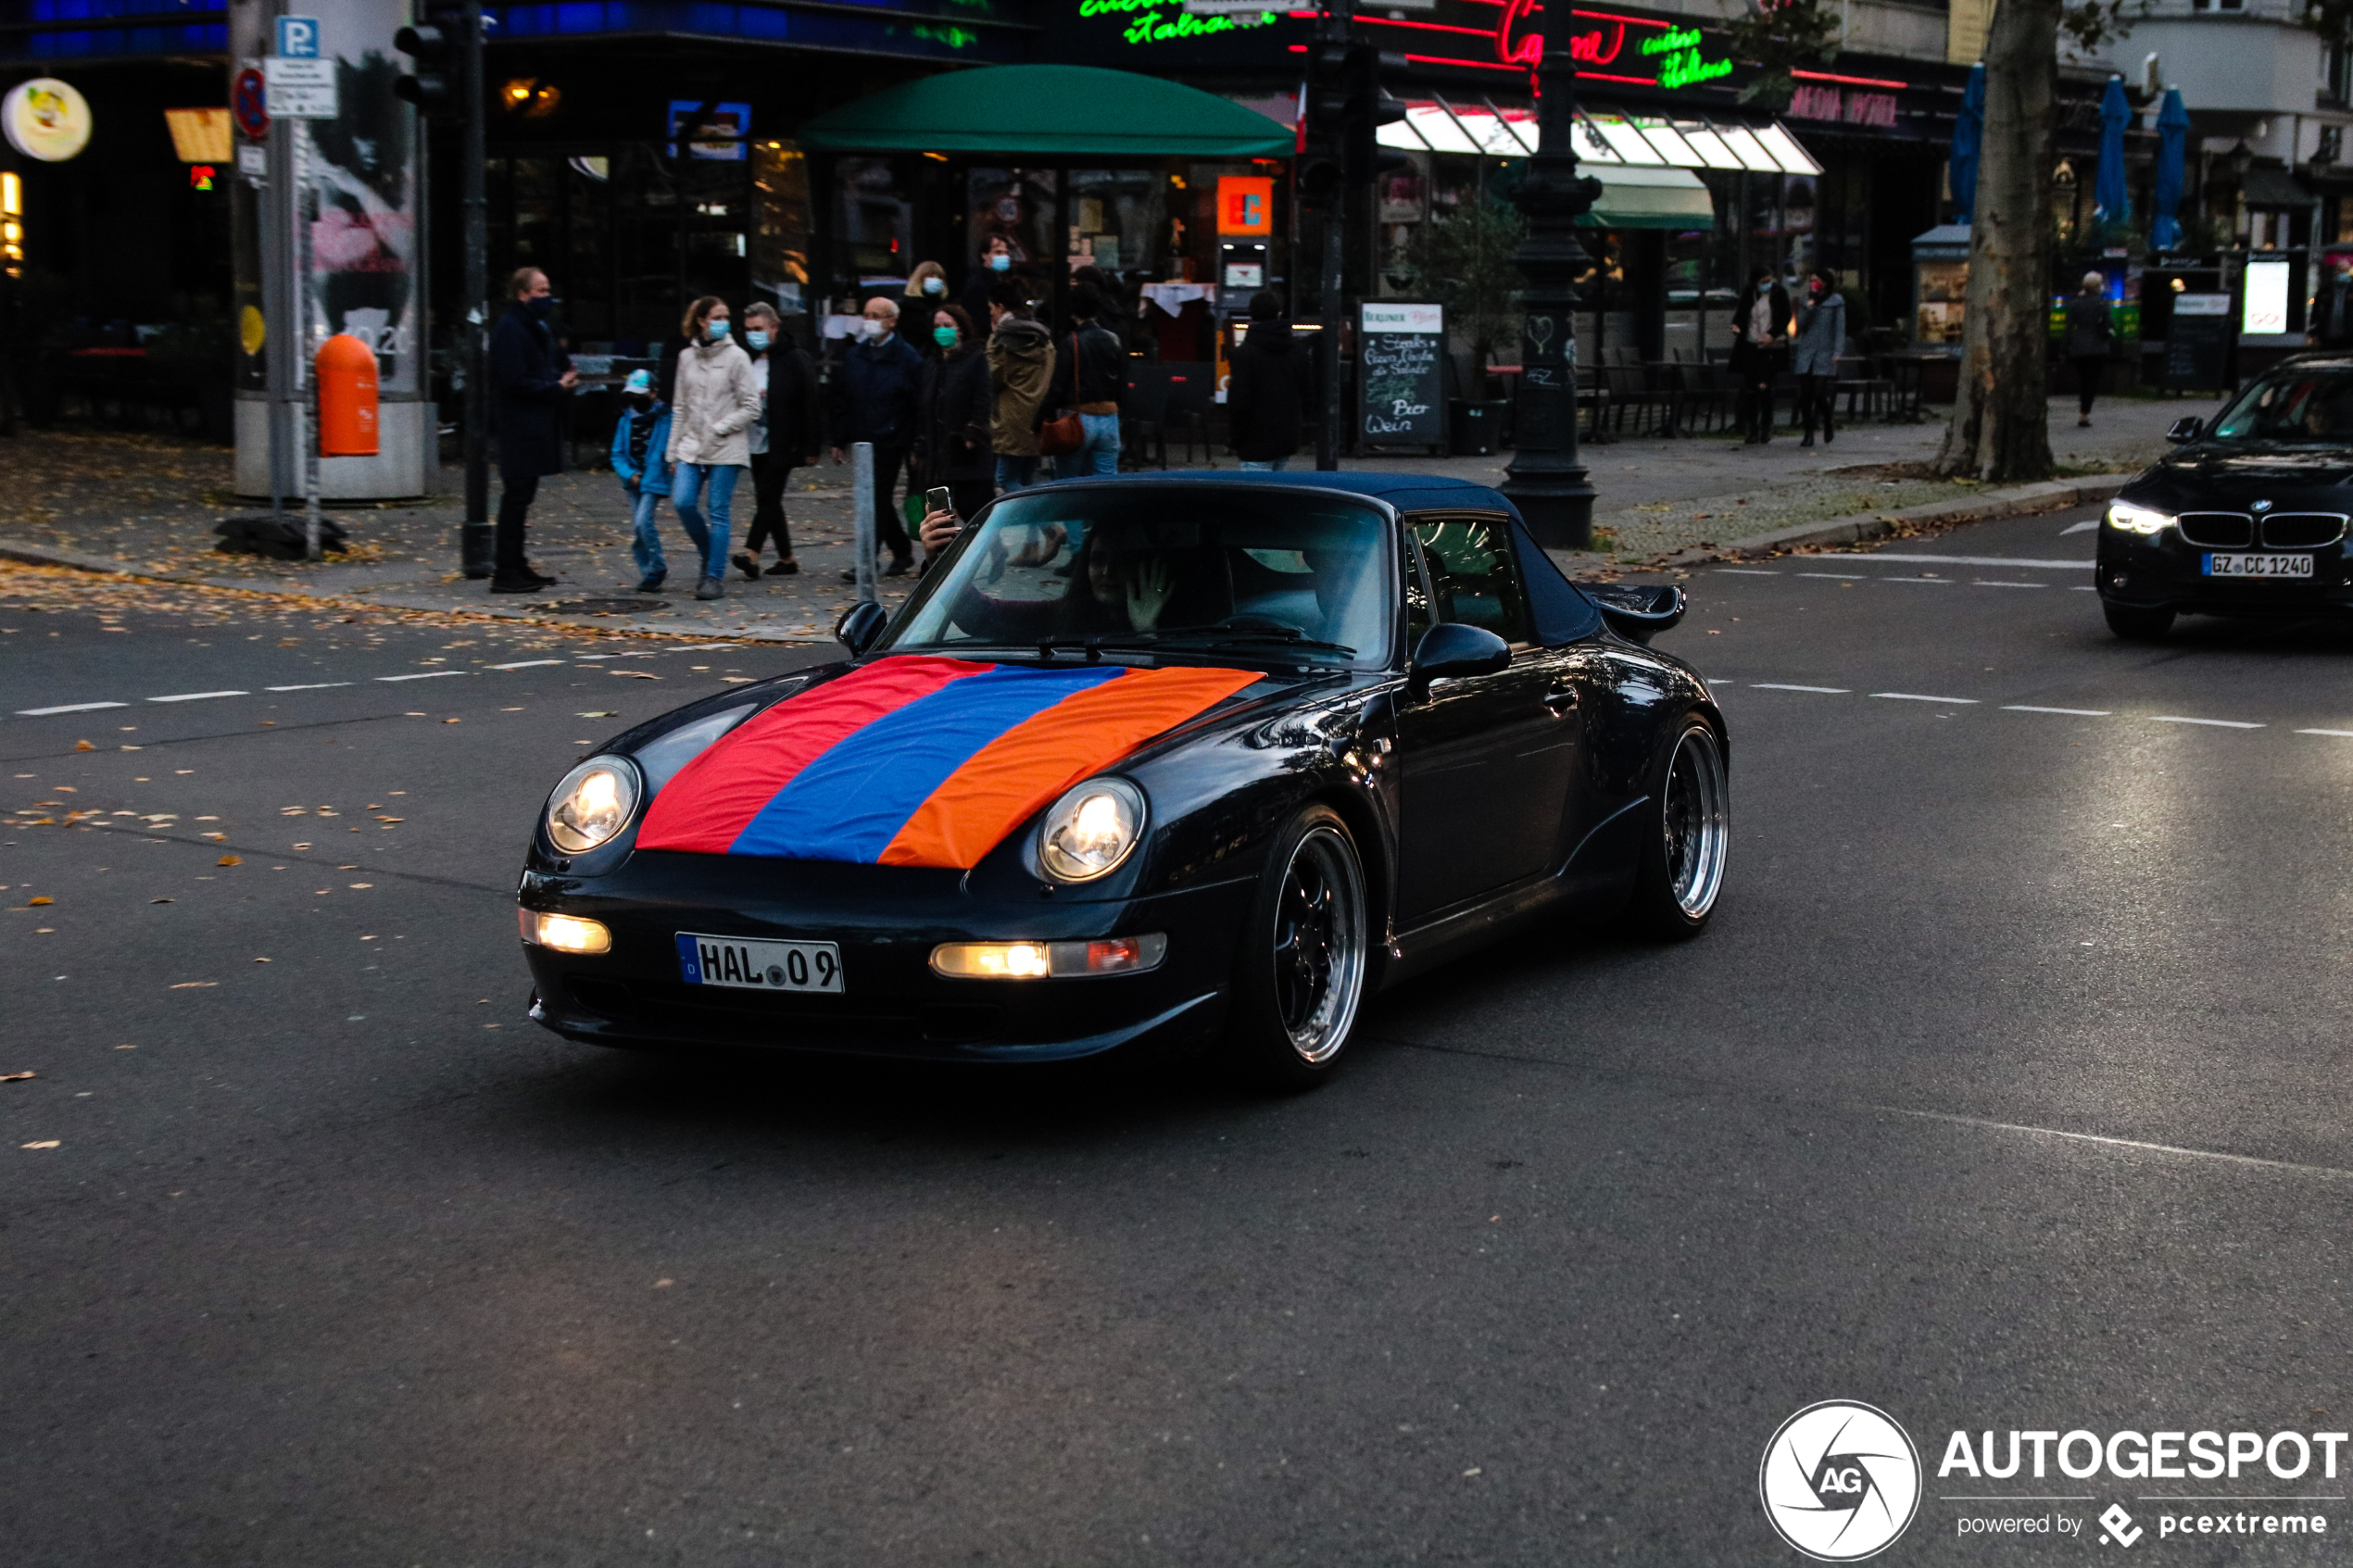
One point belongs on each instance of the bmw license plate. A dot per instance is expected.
(759, 966)
(2258, 566)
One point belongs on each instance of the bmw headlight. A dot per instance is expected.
(592, 804)
(1091, 829)
(2138, 519)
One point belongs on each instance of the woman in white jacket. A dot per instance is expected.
(713, 406)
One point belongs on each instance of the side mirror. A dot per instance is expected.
(1453, 649)
(861, 626)
(2185, 429)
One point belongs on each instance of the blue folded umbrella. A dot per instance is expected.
(2172, 142)
(2109, 198)
(1968, 137)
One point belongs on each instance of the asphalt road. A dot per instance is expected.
(2006, 1091)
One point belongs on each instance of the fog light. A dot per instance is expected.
(566, 933)
(1038, 961)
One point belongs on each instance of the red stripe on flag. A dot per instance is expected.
(716, 796)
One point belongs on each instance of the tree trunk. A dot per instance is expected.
(2001, 417)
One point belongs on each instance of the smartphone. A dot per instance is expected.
(936, 499)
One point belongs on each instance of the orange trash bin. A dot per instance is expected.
(347, 371)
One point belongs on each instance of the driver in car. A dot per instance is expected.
(1120, 585)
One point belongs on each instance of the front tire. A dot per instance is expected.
(1680, 870)
(1305, 954)
(2135, 624)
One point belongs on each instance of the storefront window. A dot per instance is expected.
(780, 224)
(1116, 218)
(877, 225)
(1018, 205)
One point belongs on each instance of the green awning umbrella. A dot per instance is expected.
(1047, 111)
(1636, 197)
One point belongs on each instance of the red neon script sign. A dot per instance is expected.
(1518, 42)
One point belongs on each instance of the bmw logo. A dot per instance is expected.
(2262, 506)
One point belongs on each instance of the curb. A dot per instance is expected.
(75, 560)
(2016, 501)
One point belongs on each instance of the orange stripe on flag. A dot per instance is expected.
(1026, 767)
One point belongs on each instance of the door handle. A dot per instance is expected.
(1562, 702)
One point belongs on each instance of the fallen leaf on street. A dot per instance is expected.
(194, 984)
(44, 1143)
(633, 674)
(230, 861)
(158, 900)
(78, 746)
(16, 1077)
(737, 680)
(602, 713)
(44, 898)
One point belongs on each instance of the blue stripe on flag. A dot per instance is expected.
(850, 803)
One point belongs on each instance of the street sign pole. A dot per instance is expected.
(303, 348)
(474, 535)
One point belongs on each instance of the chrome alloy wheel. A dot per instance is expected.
(1320, 952)
(1697, 821)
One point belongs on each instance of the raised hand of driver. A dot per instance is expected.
(1148, 591)
(939, 529)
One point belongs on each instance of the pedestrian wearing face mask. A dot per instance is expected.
(876, 395)
(1821, 332)
(1090, 373)
(531, 376)
(712, 407)
(954, 403)
(784, 438)
(641, 461)
(996, 266)
(926, 291)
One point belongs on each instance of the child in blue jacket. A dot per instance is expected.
(640, 448)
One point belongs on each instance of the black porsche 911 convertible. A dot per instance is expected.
(1142, 759)
(2247, 517)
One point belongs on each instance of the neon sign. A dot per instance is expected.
(1674, 55)
(1154, 22)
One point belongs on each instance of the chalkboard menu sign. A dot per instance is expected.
(2197, 344)
(1401, 394)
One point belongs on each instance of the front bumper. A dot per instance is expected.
(885, 920)
(2165, 572)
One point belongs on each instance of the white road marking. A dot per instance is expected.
(2084, 527)
(1743, 572)
(1914, 697)
(421, 675)
(1778, 686)
(2329, 1171)
(2217, 724)
(2343, 734)
(526, 664)
(1842, 576)
(2070, 712)
(2082, 588)
(1940, 582)
(67, 708)
(1982, 583)
(196, 696)
(315, 686)
(1973, 561)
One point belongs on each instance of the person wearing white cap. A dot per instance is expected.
(641, 461)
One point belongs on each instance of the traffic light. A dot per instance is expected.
(436, 49)
(1368, 107)
(1322, 137)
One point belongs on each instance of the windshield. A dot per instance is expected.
(2306, 406)
(1190, 568)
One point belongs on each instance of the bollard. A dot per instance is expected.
(862, 505)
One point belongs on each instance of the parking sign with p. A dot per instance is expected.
(297, 38)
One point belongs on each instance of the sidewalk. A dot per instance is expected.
(148, 505)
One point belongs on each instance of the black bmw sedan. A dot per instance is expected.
(2247, 518)
(1142, 759)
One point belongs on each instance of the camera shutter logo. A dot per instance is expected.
(1840, 1481)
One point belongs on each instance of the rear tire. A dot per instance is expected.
(1305, 956)
(1680, 871)
(2135, 624)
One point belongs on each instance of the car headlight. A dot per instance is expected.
(2138, 519)
(1091, 829)
(592, 804)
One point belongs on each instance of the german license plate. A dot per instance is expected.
(2258, 566)
(759, 966)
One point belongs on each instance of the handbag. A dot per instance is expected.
(1063, 434)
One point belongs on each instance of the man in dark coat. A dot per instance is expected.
(1266, 387)
(875, 397)
(531, 376)
(1761, 326)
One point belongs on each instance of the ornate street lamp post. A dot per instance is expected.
(1546, 480)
